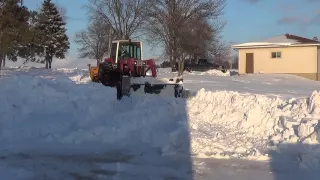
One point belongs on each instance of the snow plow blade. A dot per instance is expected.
(163, 90)
(156, 87)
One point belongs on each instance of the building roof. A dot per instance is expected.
(280, 41)
(124, 40)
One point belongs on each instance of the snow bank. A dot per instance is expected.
(228, 124)
(45, 111)
(213, 72)
(22, 67)
(164, 70)
(80, 76)
(80, 79)
(216, 72)
(63, 108)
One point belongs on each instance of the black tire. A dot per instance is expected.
(104, 71)
(104, 83)
(119, 88)
(119, 91)
(100, 73)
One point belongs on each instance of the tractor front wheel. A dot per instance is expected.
(119, 90)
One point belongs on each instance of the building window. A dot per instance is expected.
(276, 55)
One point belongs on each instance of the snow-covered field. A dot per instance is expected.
(58, 124)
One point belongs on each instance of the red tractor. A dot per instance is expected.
(125, 64)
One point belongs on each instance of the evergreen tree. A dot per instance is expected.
(13, 29)
(51, 31)
(32, 49)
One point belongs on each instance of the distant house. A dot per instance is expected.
(284, 54)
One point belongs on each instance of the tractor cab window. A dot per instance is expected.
(114, 51)
(129, 50)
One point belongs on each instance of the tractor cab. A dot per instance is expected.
(125, 50)
(126, 59)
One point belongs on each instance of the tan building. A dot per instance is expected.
(285, 54)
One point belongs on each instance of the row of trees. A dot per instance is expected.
(183, 28)
(36, 36)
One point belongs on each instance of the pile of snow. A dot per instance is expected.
(45, 111)
(216, 72)
(229, 124)
(70, 70)
(164, 70)
(80, 76)
(63, 109)
(213, 72)
(21, 67)
(80, 79)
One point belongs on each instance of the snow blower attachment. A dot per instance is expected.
(127, 72)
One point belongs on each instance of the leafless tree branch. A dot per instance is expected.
(125, 17)
(94, 41)
(184, 27)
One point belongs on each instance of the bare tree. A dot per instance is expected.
(222, 53)
(126, 18)
(196, 38)
(94, 41)
(170, 21)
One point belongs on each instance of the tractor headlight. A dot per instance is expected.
(135, 63)
(144, 63)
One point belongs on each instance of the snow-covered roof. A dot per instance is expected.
(279, 41)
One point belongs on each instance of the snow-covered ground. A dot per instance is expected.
(58, 124)
(276, 85)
